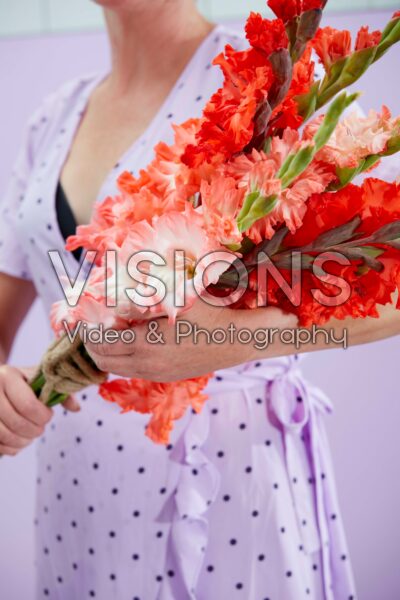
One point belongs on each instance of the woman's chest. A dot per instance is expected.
(37, 219)
(107, 133)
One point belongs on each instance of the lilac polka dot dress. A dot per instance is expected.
(242, 503)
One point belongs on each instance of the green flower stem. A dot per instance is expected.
(55, 398)
(38, 383)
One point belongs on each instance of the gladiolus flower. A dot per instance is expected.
(180, 276)
(258, 172)
(221, 202)
(290, 9)
(268, 36)
(356, 137)
(331, 45)
(228, 121)
(365, 39)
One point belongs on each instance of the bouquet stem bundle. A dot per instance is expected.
(65, 369)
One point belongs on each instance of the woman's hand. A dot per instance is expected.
(22, 417)
(170, 360)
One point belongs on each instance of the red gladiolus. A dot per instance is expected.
(377, 203)
(331, 45)
(267, 36)
(228, 121)
(290, 9)
(326, 211)
(367, 39)
(396, 15)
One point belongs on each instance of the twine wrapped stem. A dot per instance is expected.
(66, 369)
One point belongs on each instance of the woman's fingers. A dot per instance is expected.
(22, 416)
(18, 424)
(8, 438)
(22, 398)
(8, 451)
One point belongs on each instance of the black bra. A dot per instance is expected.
(65, 218)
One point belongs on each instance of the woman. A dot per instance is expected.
(242, 502)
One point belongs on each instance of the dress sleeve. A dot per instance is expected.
(13, 247)
(13, 260)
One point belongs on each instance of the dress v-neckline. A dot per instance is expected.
(97, 80)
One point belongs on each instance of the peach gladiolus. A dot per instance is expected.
(357, 137)
(221, 202)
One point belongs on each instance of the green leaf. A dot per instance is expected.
(38, 383)
(393, 146)
(371, 251)
(298, 163)
(346, 175)
(389, 28)
(390, 36)
(346, 73)
(268, 247)
(267, 145)
(334, 73)
(273, 245)
(259, 209)
(337, 235)
(248, 203)
(56, 398)
(390, 231)
(307, 103)
(366, 254)
(233, 247)
(332, 117)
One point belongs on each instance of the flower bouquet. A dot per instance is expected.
(242, 191)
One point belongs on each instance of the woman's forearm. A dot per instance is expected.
(336, 333)
(16, 298)
(189, 348)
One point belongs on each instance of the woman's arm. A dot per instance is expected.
(16, 298)
(183, 355)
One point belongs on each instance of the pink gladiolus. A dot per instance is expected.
(258, 172)
(178, 275)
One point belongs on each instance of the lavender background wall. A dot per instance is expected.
(363, 382)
